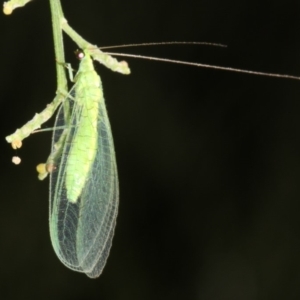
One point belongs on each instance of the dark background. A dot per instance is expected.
(209, 161)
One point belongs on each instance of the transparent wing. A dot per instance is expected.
(82, 232)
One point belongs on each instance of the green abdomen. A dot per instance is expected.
(81, 156)
(84, 145)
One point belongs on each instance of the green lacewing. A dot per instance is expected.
(84, 191)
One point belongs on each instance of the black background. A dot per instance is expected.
(209, 161)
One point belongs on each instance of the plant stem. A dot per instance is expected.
(59, 23)
(57, 17)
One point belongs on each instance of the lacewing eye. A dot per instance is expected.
(79, 54)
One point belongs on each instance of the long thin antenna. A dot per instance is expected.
(164, 44)
(187, 63)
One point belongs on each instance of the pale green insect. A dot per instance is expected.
(84, 191)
